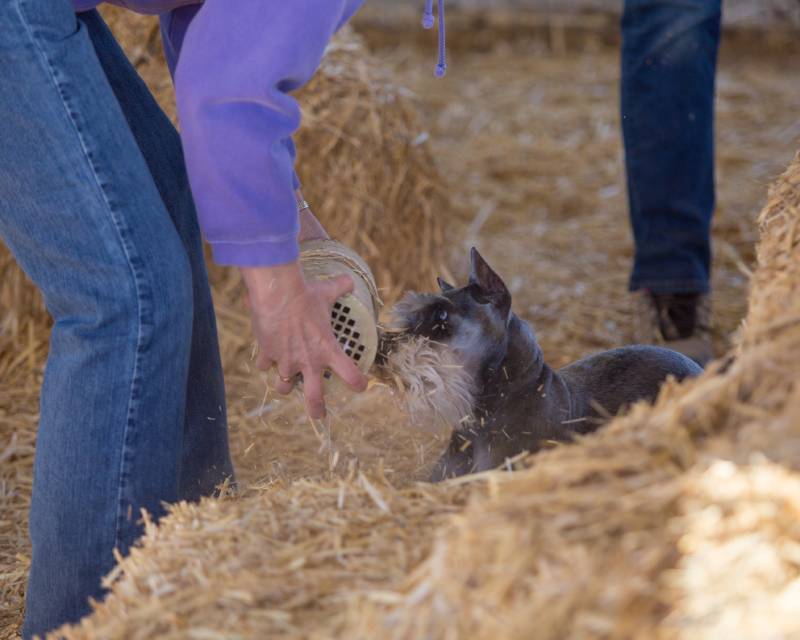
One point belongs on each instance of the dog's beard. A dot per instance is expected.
(437, 390)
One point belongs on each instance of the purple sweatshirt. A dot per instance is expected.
(235, 63)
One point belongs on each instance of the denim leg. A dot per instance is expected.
(80, 211)
(669, 56)
(206, 459)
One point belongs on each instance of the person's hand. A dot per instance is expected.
(310, 229)
(291, 321)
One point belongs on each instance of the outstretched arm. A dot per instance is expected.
(235, 70)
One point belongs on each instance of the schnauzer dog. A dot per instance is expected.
(464, 358)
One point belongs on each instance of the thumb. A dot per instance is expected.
(335, 288)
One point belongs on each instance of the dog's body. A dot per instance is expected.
(518, 401)
(525, 403)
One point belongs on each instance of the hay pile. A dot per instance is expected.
(678, 520)
(23, 346)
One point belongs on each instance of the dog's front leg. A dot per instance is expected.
(457, 460)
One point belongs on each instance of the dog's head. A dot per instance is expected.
(441, 344)
(471, 321)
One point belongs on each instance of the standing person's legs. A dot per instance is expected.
(669, 56)
(82, 214)
(206, 460)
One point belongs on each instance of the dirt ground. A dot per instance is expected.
(528, 145)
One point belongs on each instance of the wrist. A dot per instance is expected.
(310, 227)
(269, 283)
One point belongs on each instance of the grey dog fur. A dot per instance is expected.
(518, 402)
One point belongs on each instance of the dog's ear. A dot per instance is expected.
(488, 285)
(444, 285)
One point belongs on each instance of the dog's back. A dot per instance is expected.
(610, 380)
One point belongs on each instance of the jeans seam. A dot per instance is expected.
(135, 375)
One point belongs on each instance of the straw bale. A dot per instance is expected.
(283, 564)
(19, 299)
(23, 345)
(740, 527)
(640, 530)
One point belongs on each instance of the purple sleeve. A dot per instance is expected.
(235, 68)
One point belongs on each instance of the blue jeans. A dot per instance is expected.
(669, 56)
(95, 205)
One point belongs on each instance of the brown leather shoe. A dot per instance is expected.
(674, 320)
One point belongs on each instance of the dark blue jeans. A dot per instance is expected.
(669, 56)
(95, 205)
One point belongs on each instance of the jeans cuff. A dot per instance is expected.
(660, 286)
